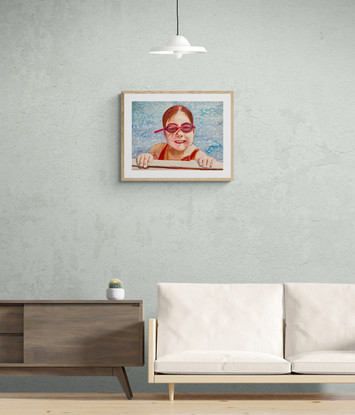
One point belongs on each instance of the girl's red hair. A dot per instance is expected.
(170, 112)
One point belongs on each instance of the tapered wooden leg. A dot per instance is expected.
(171, 391)
(121, 375)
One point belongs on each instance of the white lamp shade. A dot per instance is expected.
(179, 46)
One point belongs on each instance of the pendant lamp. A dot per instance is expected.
(177, 45)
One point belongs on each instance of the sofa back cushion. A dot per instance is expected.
(219, 317)
(319, 317)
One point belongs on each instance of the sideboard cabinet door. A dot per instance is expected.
(83, 334)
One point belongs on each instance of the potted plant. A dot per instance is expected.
(115, 290)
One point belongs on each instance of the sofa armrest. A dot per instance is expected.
(152, 347)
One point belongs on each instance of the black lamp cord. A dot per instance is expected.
(177, 17)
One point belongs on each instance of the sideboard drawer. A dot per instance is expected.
(11, 348)
(11, 319)
(96, 334)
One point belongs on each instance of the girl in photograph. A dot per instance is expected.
(179, 133)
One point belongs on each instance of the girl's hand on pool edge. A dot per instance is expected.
(205, 161)
(144, 159)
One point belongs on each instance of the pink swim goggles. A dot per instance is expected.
(172, 128)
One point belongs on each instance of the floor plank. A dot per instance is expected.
(184, 404)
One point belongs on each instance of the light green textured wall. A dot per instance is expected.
(68, 225)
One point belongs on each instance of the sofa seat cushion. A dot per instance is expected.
(324, 362)
(216, 362)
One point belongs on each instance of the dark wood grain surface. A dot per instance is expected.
(55, 371)
(11, 348)
(104, 333)
(71, 337)
(136, 303)
(11, 318)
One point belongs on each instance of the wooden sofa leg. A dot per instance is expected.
(171, 391)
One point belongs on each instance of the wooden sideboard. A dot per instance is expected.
(93, 338)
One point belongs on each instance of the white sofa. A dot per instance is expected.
(252, 333)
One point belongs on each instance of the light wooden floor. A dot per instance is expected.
(185, 404)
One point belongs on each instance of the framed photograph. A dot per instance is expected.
(177, 136)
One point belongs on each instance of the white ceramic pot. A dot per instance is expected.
(115, 293)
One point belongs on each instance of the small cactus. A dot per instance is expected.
(115, 283)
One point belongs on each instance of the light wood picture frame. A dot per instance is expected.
(177, 135)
